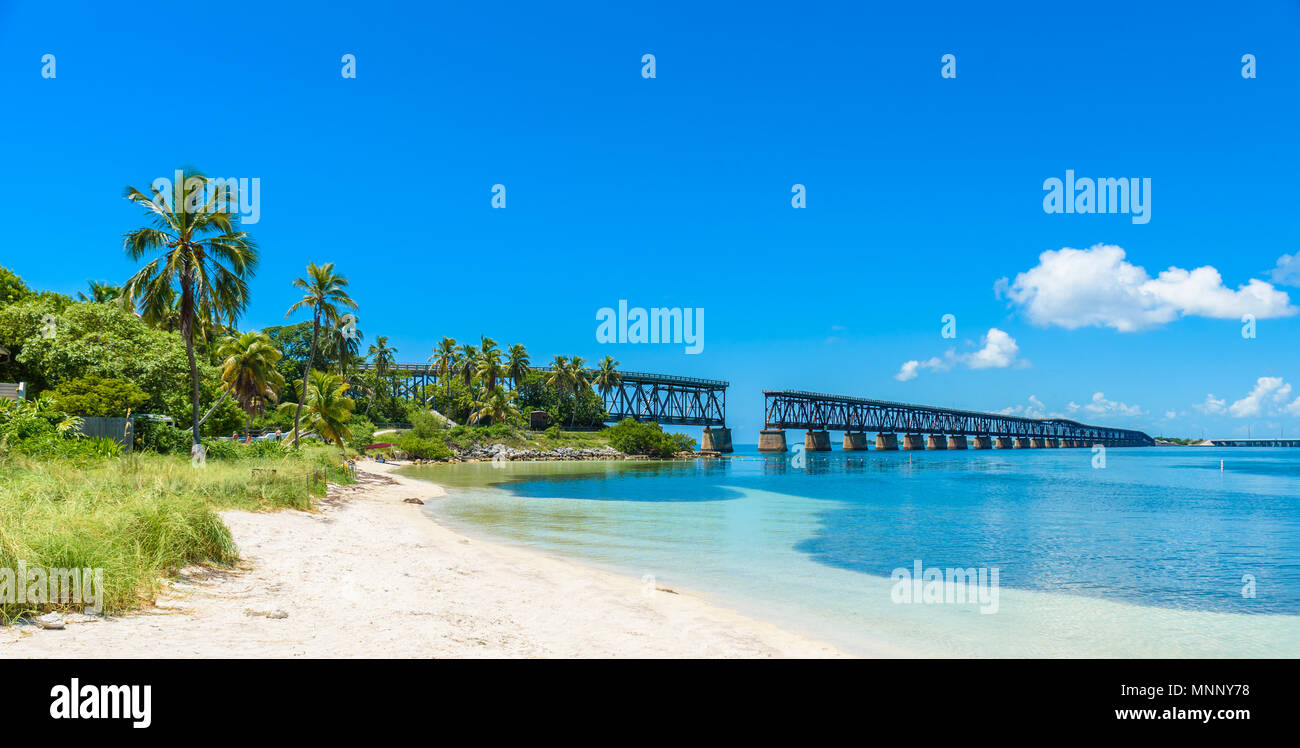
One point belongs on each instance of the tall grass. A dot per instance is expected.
(139, 518)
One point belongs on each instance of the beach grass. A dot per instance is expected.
(139, 518)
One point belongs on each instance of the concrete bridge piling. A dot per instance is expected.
(771, 440)
(817, 441)
(913, 442)
(717, 439)
(855, 441)
(956, 442)
(983, 442)
(935, 441)
(887, 442)
(1003, 442)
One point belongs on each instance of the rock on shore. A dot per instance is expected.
(503, 452)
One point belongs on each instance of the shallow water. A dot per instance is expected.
(1151, 555)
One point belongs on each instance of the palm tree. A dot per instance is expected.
(444, 360)
(203, 253)
(496, 406)
(328, 407)
(101, 293)
(489, 363)
(517, 364)
(347, 344)
(606, 379)
(324, 291)
(559, 378)
(383, 355)
(249, 375)
(577, 378)
(468, 362)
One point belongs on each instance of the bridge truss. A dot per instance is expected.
(662, 398)
(816, 411)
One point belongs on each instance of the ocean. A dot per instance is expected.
(1156, 552)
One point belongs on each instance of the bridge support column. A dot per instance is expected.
(1002, 442)
(887, 442)
(1051, 443)
(913, 441)
(983, 442)
(817, 441)
(956, 442)
(718, 439)
(855, 442)
(935, 441)
(1022, 442)
(1035, 442)
(771, 440)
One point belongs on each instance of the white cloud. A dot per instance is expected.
(1097, 287)
(1287, 271)
(1269, 394)
(1267, 398)
(998, 351)
(1099, 405)
(909, 369)
(1213, 405)
(1171, 415)
(1035, 409)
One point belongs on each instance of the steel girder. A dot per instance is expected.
(816, 411)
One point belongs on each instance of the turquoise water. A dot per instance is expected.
(1157, 554)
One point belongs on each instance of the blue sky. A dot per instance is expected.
(922, 192)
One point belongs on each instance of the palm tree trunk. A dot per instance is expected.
(194, 392)
(213, 409)
(311, 357)
(187, 330)
(248, 428)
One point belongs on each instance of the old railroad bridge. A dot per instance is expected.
(922, 426)
(689, 401)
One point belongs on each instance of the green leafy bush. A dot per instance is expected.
(633, 438)
(95, 396)
(363, 432)
(161, 437)
(37, 430)
(421, 448)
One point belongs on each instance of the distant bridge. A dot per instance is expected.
(1279, 442)
(662, 398)
(945, 428)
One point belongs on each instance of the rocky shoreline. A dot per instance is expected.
(503, 453)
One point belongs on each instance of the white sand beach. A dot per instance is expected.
(370, 575)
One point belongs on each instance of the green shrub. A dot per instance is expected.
(425, 449)
(94, 396)
(424, 424)
(363, 432)
(633, 438)
(36, 430)
(161, 437)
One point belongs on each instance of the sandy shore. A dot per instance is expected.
(370, 575)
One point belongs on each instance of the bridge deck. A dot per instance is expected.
(819, 411)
